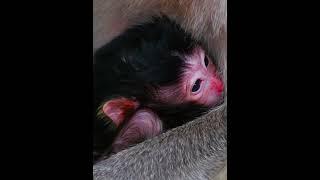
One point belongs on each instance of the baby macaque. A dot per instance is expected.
(151, 78)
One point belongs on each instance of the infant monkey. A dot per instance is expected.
(152, 78)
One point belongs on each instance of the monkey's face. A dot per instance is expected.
(202, 83)
(199, 84)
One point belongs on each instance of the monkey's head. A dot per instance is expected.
(156, 65)
(198, 83)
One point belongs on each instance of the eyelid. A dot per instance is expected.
(204, 60)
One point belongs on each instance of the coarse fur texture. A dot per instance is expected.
(206, 21)
(200, 158)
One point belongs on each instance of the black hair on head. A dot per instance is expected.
(145, 54)
(144, 57)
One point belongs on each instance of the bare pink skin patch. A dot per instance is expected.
(119, 109)
(143, 124)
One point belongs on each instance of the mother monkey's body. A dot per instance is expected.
(198, 149)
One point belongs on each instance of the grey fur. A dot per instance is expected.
(196, 150)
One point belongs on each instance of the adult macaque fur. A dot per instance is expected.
(177, 154)
(196, 150)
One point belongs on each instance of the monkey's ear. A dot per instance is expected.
(119, 108)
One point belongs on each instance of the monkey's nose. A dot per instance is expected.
(216, 84)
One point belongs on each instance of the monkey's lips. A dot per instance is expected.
(213, 95)
(217, 85)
